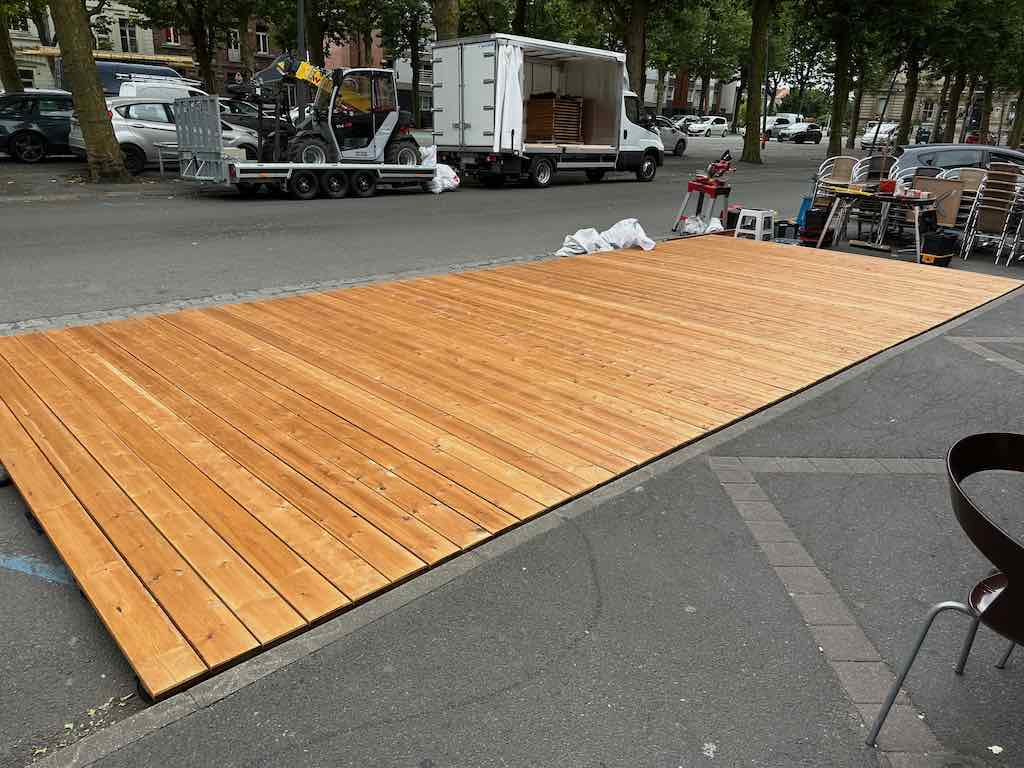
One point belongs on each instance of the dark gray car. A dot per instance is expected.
(35, 124)
(946, 156)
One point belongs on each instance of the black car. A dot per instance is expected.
(799, 133)
(946, 156)
(35, 124)
(923, 135)
(246, 114)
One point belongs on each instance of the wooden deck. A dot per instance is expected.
(218, 479)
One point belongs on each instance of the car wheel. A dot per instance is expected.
(363, 183)
(303, 185)
(817, 139)
(648, 168)
(542, 171)
(707, 133)
(798, 141)
(334, 184)
(680, 148)
(28, 147)
(134, 159)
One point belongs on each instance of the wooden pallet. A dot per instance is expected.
(554, 120)
(218, 479)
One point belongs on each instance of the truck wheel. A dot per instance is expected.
(303, 185)
(334, 184)
(402, 152)
(595, 174)
(648, 168)
(308, 150)
(363, 183)
(492, 180)
(542, 171)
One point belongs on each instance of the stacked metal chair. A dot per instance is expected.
(971, 179)
(992, 217)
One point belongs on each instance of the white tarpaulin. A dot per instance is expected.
(623, 234)
(508, 99)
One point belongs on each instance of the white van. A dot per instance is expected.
(510, 107)
(159, 89)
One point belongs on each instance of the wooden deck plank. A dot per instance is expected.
(244, 590)
(329, 556)
(153, 645)
(205, 621)
(320, 447)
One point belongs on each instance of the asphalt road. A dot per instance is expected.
(165, 244)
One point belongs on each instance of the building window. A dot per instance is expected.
(18, 24)
(129, 38)
(927, 111)
(262, 41)
(233, 41)
(28, 78)
(172, 36)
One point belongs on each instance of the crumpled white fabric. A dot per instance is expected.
(623, 234)
(694, 225)
(445, 178)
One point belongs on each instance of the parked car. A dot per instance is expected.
(799, 133)
(115, 73)
(878, 136)
(709, 126)
(946, 156)
(35, 124)
(672, 137)
(771, 125)
(247, 115)
(923, 134)
(141, 124)
(683, 122)
(974, 137)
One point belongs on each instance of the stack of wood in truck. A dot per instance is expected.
(556, 119)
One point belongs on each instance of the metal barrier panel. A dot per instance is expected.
(200, 145)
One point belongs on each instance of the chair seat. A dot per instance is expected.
(987, 590)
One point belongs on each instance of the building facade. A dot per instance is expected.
(228, 67)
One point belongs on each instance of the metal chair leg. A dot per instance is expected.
(935, 610)
(1006, 657)
(966, 650)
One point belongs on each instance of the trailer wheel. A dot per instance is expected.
(363, 183)
(303, 185)
(595, 174)
(334, 184)
(542, 171)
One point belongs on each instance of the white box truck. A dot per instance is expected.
(482, 92)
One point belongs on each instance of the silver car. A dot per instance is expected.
(672, 136)
(144, 128)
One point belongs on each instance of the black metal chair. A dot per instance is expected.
(997, 601)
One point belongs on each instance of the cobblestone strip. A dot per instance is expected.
(906, 741)
(979, 346)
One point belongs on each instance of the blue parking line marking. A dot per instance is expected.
(32, 566)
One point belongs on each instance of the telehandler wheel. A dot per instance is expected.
(402, 152)
(363, 183)
(308, 150)
(334, 184)
(303, 185)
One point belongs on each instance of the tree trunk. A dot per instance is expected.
(858, 99)
(705, 86)
(367, 43)
(956, 90)
(414, 62)
(245, 49)
(519, 20)
(841, 87)
(636, 47)
(940, 109)
(41, 21)
(315, 34)
(909, 100)
(986, 113)
(204, 54)
(736, 106)
(761, 13)
(101, 148)
(972, 85)
(446, 18)
(9, 77)
(659, 91)
(1017, 131)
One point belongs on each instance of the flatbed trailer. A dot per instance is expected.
(205, 160)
